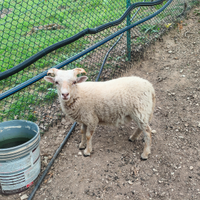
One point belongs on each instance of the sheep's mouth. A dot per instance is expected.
(65, 99)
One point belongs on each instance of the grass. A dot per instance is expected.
(22, 105)
(195, 3)
(18, 43)
(147, 28)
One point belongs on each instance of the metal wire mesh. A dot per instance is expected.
(27, 27)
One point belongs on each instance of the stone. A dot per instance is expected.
(130, 182)
(24, 197)
(153, 131)
(63, 121)
(45, 160)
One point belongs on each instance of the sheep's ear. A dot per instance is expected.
(81, 79)
(79, 71)
(52, 72)
(49, 79)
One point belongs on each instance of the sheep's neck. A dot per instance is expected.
(70, 109)
(71, 103)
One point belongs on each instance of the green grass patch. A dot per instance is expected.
(17, 41)
(147, 28)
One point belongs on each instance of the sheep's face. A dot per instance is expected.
(66, 81)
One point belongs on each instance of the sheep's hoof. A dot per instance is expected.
(81, 147)
(133, 139)
(86, 154)
(130, 140)
(144, 157)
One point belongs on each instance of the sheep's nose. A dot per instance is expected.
(65, 94)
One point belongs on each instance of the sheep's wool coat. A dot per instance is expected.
(111, 102)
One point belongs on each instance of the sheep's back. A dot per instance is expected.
(117, 101)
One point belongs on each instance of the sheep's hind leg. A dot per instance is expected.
(147, 143)
(135, 135)
(82, 145)
(88, 149)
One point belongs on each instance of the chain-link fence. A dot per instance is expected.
(27, 27)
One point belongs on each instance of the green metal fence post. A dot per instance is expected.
(128, 3)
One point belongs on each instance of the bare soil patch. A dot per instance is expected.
(115, 170)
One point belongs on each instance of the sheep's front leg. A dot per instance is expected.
(147, 143)
(88, 149)
(82, 145)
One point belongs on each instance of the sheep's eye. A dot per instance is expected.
(74, 82)
(56, 82)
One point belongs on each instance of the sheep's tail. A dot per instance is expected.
(153, 105)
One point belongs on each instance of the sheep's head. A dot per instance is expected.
(65, 80)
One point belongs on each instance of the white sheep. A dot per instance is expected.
(111, 102)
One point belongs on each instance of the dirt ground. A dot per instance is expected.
(115, 170)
